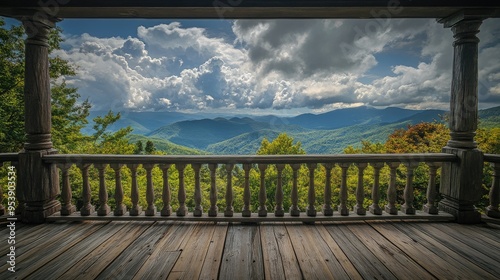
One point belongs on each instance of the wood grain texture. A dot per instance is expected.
(192, 250)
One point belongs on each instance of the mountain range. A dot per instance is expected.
(328, 132)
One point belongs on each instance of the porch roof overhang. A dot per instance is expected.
(251, 8)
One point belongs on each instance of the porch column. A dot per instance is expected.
(461, 181)
(38, 182)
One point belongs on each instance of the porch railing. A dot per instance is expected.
(261, 163)
(494, 194)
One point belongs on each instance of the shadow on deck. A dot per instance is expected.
(203, 250)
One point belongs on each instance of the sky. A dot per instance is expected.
(280, 67)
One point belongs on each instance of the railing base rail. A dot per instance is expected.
(254, 218)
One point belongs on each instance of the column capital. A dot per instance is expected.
(37, 29)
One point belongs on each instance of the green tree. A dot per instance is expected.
(106, 142)
(282, 145)
(150, 147)
(68, 116)
(139, 149)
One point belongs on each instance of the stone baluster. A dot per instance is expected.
(343, 190)
(182, 211)
(408, 195)
(430, 206)
(67, 208)
(360, 190)
(327, 204)
(246, 212)
(214, 210)
(120, 208)
(165, 195)
(492, 209)
(262, 191)
(103, 192)
(136, 210)
(294, 208)
(311, 192)
(87, 208)
(229, 191)
(150, 195)
(198, 209)
(278, 209)
(390, 208)
(375, 208)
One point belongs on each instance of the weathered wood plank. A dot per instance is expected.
(194, 251)
(94, 263)
(391, 256)
(480, 232)
(213, 259)
(315, 259)
(273, 265)
(469, 246)
(439, 248)
(64, 262)
(242, 253)
(339, 254)
(39, 256)
(166, 252)
(435, 264)
(290, 264)
(470, 240)
(158, 266)
(128, 263)
(360, 256)
(27, 236)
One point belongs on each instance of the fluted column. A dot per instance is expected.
(461, 180)
(38, 182)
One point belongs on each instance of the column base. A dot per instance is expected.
(375, 210)
(464, 214)
(294, 211)
(431, 209)
(150, 211)
(492, 212)
(410, 210)
(343, 211)
(103, 210)
(67, 210)
(391, 209)
(198, 212)
(327, 210)
(213, 212)
(182, 211)
(279, 212)
(87, 210)
(310, 211)
(34, 214)
(135, 211)
(262, 212)
(359, 210)
(246, 213)
(120, 210)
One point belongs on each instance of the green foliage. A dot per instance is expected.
(139, 149)
(282, 145)
(150, 147)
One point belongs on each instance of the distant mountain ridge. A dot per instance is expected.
(328, 132)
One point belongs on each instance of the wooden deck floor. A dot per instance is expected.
(198, 250)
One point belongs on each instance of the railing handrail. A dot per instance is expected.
(8, 157)
(492, 158)
(251, 159)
